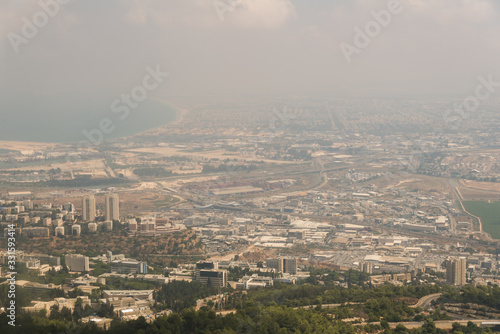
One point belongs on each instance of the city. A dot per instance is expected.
(249, 166)
(251, 219)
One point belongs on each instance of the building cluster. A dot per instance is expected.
(44, 220)
(151, 225)
(112, 207)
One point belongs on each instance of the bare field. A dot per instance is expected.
(26, 146)
(215, 154)
(470, 194)
(95, 167)
(130, 202)
(435, 186)
(490, 186)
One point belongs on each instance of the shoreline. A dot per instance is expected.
(181, 114)
(19, 145)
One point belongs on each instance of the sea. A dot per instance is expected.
(56, 119)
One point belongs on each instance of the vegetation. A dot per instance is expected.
(24, 296)
(52, 276)
(482, 295)
(306, 294)
(489, 214)
(227, 168)
(252, 319)
(82, 182)
(166, 202)
(180, 295)
(471, 328)
(152, 172)
(100, 268)
(271, 310)
(115, 283)
(140, 247)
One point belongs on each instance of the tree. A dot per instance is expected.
(401, 329)
(429, 327)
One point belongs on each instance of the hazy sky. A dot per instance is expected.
(259, 47)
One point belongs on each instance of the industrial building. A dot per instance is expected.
(129, 267)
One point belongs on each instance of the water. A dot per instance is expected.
(63, 119)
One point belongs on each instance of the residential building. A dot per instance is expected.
(88, 208)
(59, 231)
(366, 267)
(112, 207)
(76, 229)
(456, 270)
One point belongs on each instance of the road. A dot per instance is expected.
(444, 324)
(399, 231)
(425, 301)
(322, 182)
(229, 256)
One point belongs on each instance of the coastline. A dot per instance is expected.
(19, 145)
(181, 114)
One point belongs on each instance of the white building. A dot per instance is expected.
(108, 225)
(76, 229)
(59, 230)
(92, 227)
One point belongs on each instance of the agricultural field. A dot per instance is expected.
(489, 212)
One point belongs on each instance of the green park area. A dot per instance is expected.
(489, 212)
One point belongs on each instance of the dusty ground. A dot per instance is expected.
(490, 186)
(25, 146)
(144, 202)
(427, 184)
(215, 154)
(470, 194)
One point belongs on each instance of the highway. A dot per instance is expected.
(337, 220)
(425, 301)
(323, 180)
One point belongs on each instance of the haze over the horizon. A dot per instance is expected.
(260, 47)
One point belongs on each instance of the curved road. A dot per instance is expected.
(425, 301)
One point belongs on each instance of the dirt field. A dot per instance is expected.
(490, 186)
(470, 194)
(25, 146)
(215, 154)
(137, 203)
(433, 185)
